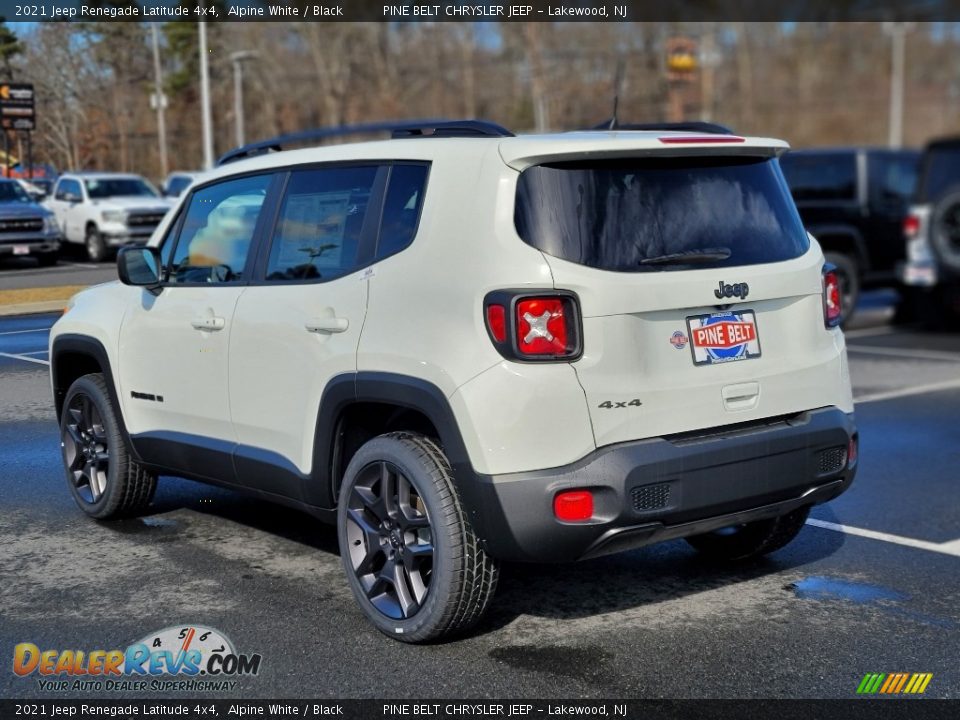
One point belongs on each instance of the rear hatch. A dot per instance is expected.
(700, 291)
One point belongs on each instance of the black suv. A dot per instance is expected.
(853, 200)
(932, 232)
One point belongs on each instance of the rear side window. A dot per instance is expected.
(821, 176)
(321, 218)
(401, 210)
(893, 177)
(647, 214)
(940, 173)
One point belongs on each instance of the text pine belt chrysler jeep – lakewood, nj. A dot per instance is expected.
(465, 347)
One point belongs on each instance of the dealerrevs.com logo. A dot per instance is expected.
(188, 658)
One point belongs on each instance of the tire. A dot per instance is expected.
(48, 259)
(751, 540)
(848, 273)
(105, 481)
(97, 250)
(429, 593)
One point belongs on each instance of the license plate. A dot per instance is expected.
(723, 337)
(21, 249)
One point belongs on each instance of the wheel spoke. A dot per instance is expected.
(388, 491)
(90, 472)
(409, 518)
(365, 561)
(408, 605)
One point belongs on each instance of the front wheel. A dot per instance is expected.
(750, 540)
(97, 250)
(412, 560)
(105, 481)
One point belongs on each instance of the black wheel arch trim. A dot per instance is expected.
(86, 345)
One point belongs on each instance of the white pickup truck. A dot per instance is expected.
(104, 211)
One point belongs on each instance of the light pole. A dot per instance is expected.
(897, 32)
(205, 117)
(160, 100)
(237, 59)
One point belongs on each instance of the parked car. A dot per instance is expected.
(464, 347)
(853, 200)
(104, 211)
(932, 232)
(26, 228)
(178, 181)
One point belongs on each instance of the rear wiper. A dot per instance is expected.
(689, 257)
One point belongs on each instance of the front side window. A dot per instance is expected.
(116, 187)
(218, 230)
(68, 188)
(658, 214)
(318, 232)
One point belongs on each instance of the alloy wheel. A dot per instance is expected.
(86, 450)
(390, 541)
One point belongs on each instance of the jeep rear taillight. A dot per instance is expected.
(542, 326)
(534, 327)
(911, 226)
(832, 297)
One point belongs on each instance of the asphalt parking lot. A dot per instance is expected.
(870, 586)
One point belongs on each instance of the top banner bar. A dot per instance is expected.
(403, 11)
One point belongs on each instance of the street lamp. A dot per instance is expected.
(237, 59)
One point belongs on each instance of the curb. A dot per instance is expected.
(31, 308)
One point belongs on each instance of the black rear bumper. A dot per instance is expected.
(664, 488)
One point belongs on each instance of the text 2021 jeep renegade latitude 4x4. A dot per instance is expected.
(465, 347)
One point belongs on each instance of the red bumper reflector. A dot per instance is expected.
(497, 322)
(852, 451)
(573, 505)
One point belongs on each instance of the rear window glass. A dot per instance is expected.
(821, 176)
(641, 215)
(940, 173)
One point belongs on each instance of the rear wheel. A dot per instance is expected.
(848, 273)
(412, 560)
(750, 540)
(105, 481)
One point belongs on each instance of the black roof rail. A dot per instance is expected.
(687, 126)
(398, 129)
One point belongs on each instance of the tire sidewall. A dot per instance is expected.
(107, 502)
(946, 256)
(394, 451)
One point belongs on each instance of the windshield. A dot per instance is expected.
(113, 187)
(660, 214)
(12, 192)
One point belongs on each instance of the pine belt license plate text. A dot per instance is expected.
(723, 337)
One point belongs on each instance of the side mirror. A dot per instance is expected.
(140, 266)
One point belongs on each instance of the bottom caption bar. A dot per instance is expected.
(867, 709)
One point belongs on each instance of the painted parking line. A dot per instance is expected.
(908, 391)
(918, 354)
(24, 358)
(22, 332)
(874, 331)
(948, 548)
(34, 352)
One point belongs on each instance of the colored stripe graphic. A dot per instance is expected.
(894, 683)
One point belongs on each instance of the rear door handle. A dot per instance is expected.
(209, 322)
(327, 325)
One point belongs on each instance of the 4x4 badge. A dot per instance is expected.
(740, 290)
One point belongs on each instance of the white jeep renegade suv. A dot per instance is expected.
(465, 347)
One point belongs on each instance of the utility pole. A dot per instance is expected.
(237, 59)
(205, 115)
(160, 100)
